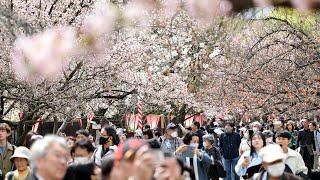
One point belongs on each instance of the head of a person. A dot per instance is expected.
(91, 138)
(191, 138)
(283, 139)
(27, 139)
(312, 126)
(272, 158)
(258, 141)
(277, 125)
(172, 130)
(208, 141)
(138, 134)
(70, 141)
(21, 158)
(83, 151)
(195, 126)
(108, 137)
(229, 126)
(5, 131)
(290, 126)
(269, 136)
(87, 170)
(148, 134)
(49, 157)
(306, 123)
(157, 134)
(125, 156)
(82, 134)
(256, 126)
(270, 126)
(248, 134)
(146, 126)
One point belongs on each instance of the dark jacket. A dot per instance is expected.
(216, 170)
(285, 176)
(200, 133)
(229, 145)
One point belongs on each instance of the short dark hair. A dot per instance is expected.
(84, 144)
(157, 133)
(196, 123)
(284, 134)
(188, 137)
(148, 132)
(107, 166)
(146, 126)
(313, 123)
(83, 132)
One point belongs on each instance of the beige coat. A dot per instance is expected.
(295, 162)
(6, 165)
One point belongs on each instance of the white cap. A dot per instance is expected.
(21, 152)
(271, 153)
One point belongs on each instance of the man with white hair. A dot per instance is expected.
(49, 158)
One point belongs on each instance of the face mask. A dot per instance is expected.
(205, 145)
(81, 159)
(103, 141)
(276, 170)
(174, 134)
(194, 145)
(255, 129)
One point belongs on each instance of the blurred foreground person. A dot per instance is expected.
(49, 158)
(86, 171)
(20, 159)
(132, 160)
(272, 161)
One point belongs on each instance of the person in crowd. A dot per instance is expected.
(92, 140)
(132, 160)
(256, 126)
(229, 144)
(148, 134)
(82, 134)
(272, 162)
(270, 127)
(108, 144)
(196, 129)
(156, 135)
(86, 170)
(306, 143)
(245, 141)
(216, 168)
(290, 127)
(27, 139)
(146, 127)
(49, 158)
(292, 159)
(70, 142)
(250, 161)
(83, 151)
(200, 160)
(316, 134)
(6, 149)
(107, 167)
(170, 141)
(20, 158)
(269, 136)
(138, 134)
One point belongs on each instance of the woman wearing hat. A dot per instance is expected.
(20, 158)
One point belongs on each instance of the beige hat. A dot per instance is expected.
(271, 153)
(21, 152)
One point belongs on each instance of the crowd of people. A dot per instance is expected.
(219, 149)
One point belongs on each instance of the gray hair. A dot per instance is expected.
(208, 137)
(40, 147)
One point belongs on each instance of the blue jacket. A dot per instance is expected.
(229, 144)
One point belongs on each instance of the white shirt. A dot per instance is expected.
(294, 160)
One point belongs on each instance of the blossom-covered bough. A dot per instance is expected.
(60, 59)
